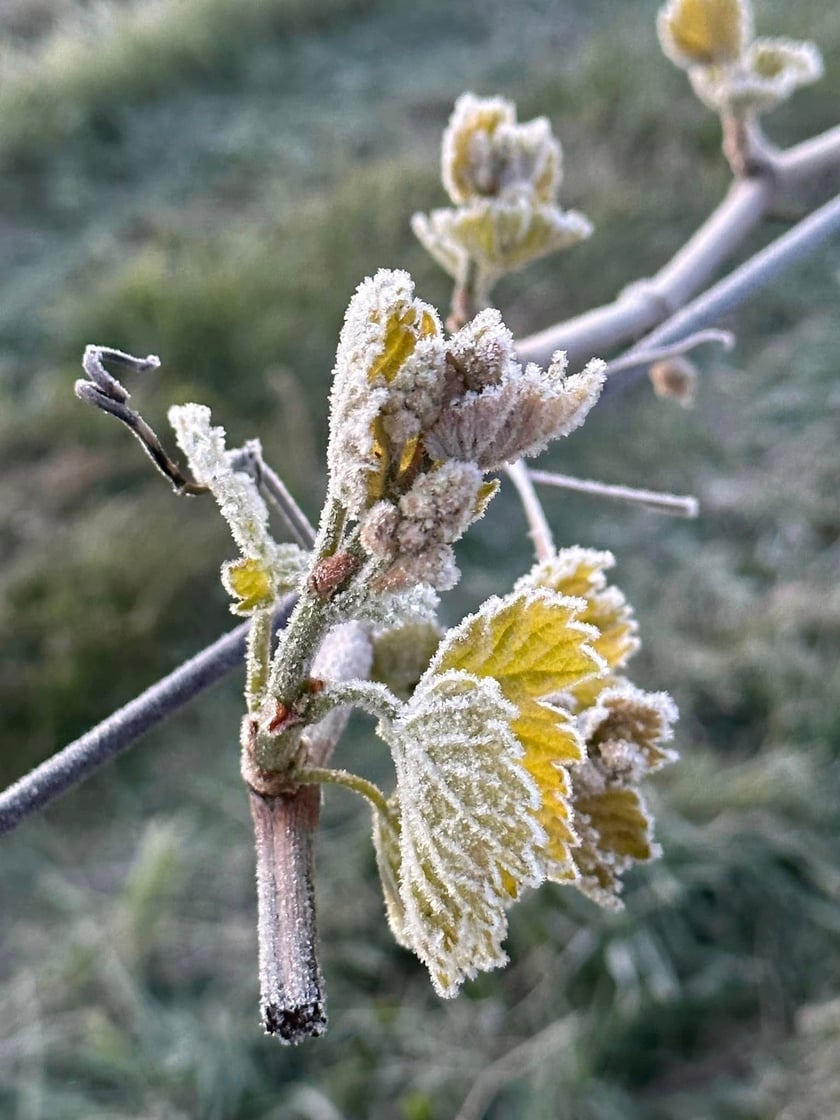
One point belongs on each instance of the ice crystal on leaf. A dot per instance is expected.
(534, 644)
(580, 573)
(515, 413)
(729, 70)
(266, 569)
(469, 840)
(386, 386)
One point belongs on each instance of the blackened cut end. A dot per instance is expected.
(292, 1025)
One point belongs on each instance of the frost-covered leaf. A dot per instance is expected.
(487, 154)
(768, 74)
(534, 645)
(266, 569)
(496, 412)
(625, 734)
(249, 583)
(501, 235)
(235, 491)
(466, 151)
(469, 838)
(386, 385)
(255, 584)
(580, 573)
(704, 32)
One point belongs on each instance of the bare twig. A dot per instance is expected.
(105, 392)
(728, 294)
(540, 530)
(41, 786)
(676, 349)
(679, 505)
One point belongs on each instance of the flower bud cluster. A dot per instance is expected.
(416, 419)
(731, 71)
(504, 178)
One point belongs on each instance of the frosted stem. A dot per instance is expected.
(680, 505)
(292, 1002)
(540, 530)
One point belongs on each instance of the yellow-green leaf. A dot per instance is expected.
(580, 573)
(533, 643)
(249, 583)
(704, 32)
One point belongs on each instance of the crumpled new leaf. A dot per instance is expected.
(625, 731)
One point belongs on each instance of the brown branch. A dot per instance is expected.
(292, 1002)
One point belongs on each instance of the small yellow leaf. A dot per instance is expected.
(486, 493)
(533, 643)
(249, 582)
(579, 572)
(704, 32)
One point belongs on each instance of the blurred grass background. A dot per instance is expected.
(208, 180)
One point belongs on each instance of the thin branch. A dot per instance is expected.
(677, 349)
(678, 505)
(643, 305)
(250, 458)
(105, 392)
(728, 294)
(540, 530)
(43, 785)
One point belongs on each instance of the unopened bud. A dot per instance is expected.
(675, 379)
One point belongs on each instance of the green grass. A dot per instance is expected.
(95, 61)
(225, 228)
